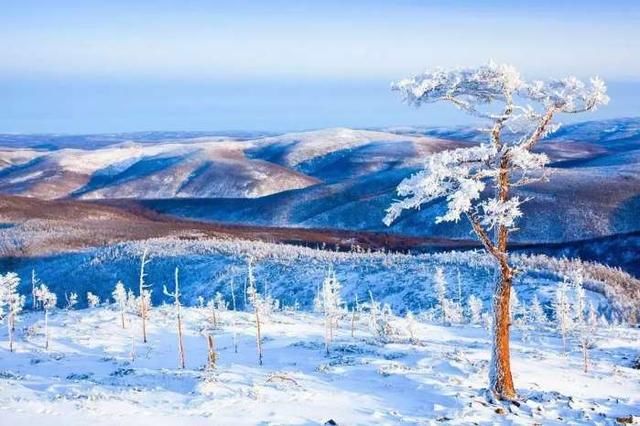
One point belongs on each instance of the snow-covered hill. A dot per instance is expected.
(335, 178)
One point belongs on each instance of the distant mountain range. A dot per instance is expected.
(331, 178)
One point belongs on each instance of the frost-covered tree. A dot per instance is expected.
(563, 311)
(536, 312)
(35, 282)
(119, 295)
(11, 302)
(144, 298)
(440, 287)
(235, 316)
(585, 319)
(213, 318)
(374, 309)
(212, 355)
(477, 181)
(411, 323)
(72, 300)
(48, 301)
(200, 302)
(92, 300)
(175, 295)
(475, 309)
(221, 304)
(331, 305)
(258, 303)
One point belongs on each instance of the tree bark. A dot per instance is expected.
(180, 341)
(10, 331)
(500, 378)
(258, 336)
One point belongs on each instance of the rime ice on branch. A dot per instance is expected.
(520, 114)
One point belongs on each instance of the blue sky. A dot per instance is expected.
(90, 66)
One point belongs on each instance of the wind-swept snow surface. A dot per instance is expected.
(98, 373)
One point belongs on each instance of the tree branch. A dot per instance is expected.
(499, 124)
(539, 131)
(483, 236)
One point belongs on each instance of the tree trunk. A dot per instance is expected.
(10, 327)
(180, 341)
(144, 319)
(258, 336)
(122, 318)
(46, 330)
(353, 322)
(500, 379)
(212, 357)
(585, 356)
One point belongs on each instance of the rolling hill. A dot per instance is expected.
(331, 179)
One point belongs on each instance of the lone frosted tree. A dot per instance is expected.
(477, 181)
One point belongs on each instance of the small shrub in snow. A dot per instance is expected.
(72, 300)
(92, 300)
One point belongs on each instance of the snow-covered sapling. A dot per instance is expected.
(212, 355)
(48, 301)
(144, 295)
(72, 300)
(331, 304)
(213, 318)
(475, 309)
(92, 300)
(374, 308)
(235, 316)
(11, 302)
(410, 321)
(35, 282)
(536, 312)
(562, 307)
(120, 297)
(178, 307)
(520, 114)
(450, 311)
(220, 303)
(585, 318)
(257, 302)
(440, 286)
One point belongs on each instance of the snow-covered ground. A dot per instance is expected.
(88, 376)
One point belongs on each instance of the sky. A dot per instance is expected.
(113, 66)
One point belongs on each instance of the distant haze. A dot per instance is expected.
(85, 67)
